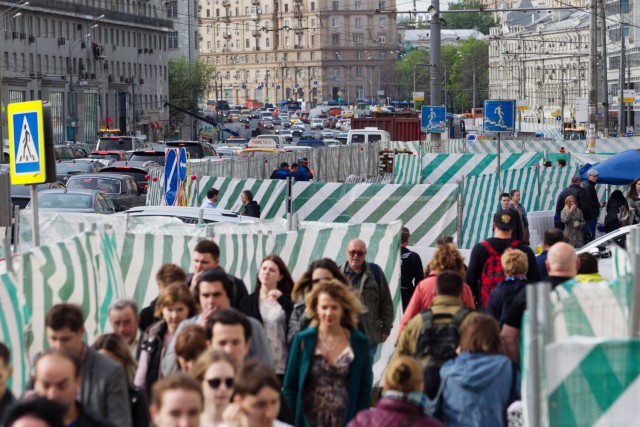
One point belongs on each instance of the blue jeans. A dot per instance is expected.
(591, 226)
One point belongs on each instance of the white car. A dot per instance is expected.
(317, 124)
(191, 215)
(601, 248)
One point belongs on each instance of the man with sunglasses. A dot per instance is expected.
(213, 288)
(371, 285)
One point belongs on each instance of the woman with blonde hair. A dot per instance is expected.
(515, 266)
(574, 222)
(216, 372)
(479, 385)
(446, 257)
(403, 404)
(328, 377)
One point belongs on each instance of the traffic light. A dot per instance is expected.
(338, 100)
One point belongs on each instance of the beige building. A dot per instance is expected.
(308, 50)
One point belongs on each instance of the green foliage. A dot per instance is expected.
(468, 21)
(457, 65)
(189, 81)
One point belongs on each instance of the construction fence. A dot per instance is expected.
(96, 268)
(581, 348)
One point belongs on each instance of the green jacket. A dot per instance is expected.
(376, 297)
(300, 359)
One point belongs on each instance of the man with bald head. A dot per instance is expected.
(371, 285)
(562, 264)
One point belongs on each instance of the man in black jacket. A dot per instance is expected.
(505, 201)
(410, 269)
(576, 191)
(593, 205)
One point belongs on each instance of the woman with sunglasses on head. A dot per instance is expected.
(329, 375)
(318, 270)
(270, 303)
(216, 371)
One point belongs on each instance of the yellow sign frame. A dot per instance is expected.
(29, 177)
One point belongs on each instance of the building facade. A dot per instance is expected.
(97, 63)
(307, 50)
(545, 64)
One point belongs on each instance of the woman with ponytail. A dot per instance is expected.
(402, 404)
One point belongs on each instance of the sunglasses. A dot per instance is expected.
(354, 253)
(217, 382)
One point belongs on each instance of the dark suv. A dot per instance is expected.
(197, 149)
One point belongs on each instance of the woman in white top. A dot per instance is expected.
(270, 303)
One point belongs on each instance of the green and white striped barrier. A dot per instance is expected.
(94, 269)
(487, 146)
(406, 169)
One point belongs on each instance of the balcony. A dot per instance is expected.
(226, 18)
(255, 2)
(226, 34)
(256, 33)
(299, 32)
(255, 16)
(226, 3)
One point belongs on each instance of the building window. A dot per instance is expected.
(313, 56)
(313, 23)
(267, 43)
(335, 5)
(359, 92)
(357, 38)
(359, 54)
(382, 21)
(382, 39)
(335, 72)
(358, 23)
(246, 44)
(357, 5)
(381, 5)
(172, 9)
(173, 40)
(335, 39)
(286, 7)
(313, 40)
(359, 71)
(335, 22)
(313, 5)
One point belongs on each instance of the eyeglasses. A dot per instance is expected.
(217, 382)
(358, 253)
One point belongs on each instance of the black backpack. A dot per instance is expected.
(437, 343)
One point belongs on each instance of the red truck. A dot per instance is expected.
(401, 126)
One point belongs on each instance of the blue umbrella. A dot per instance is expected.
(619, 169)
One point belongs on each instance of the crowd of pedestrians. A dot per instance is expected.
(206, 352)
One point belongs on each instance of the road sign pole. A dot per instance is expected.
(34, 211)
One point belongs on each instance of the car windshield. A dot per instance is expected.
(105, 156)
(194, 150)
(107, 185)
(62, 168)
(65, 201)
(115, 144)
(143, 157)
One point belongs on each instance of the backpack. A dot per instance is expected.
(492, 272)
(437, 343)
(624, 216)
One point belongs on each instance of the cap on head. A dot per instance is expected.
(593, 172)
(504, 220)
(302, 160)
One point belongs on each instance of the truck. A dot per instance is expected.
(401, 126)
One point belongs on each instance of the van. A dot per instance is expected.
(127, 143)
(279, 140)
(367, 135)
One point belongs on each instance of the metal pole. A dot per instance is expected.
(1, 114)
(605, 86)
(434, 59)
(621, 126)
(6, 251)
(633, 248)
(289, 207)
(16, 228)
(593, 78)
(630, 107)
(473, 107)
(34, 211)
(562, 101)
(460, 210)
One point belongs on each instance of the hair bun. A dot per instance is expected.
(402, 373)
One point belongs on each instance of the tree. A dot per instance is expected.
(473, 56)
(467, 21)
(418, 60)
(189, 81)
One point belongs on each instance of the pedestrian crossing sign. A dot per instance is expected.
(26, 142)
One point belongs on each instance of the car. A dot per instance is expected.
(21, 194)
(67, 168)
(63, 152)
(126, 143)
(347, 114)
(276, 121)
(227, 151)
(234, 115)
(327, 133)
(78, 151)
(244, 118)
(84, 201)
(342, 137)
(313, 143)
(192, 215)
(287, 134)
(266, 124)
(307, 135)
(138, 170)
(317, 124)
(122, 190)
(296, 130)
(196, 149)
(294, 119)
(601, 248)
(110, 155)
(156, 154)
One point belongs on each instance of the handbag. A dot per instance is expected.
(624, 215)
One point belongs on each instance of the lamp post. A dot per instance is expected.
(15, 10)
